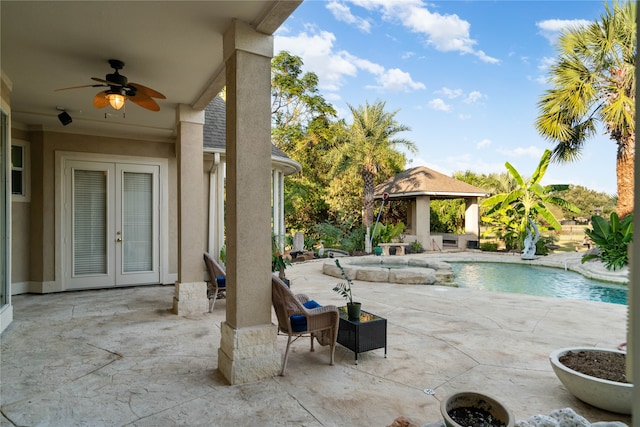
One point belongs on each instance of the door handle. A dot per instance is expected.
(119, 239)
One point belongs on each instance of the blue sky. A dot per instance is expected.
(465, 76)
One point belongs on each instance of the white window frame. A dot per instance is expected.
(26, 171)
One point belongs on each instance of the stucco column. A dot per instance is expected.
(190, 290)
(422, 220)
(216, 206)
(248, 349)
(472, 216)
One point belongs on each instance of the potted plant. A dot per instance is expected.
(584, 372)
(279, 261)
(386, 233)
(587, 372)
(344, 289)
(469, 408)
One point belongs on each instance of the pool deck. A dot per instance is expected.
(119, 357)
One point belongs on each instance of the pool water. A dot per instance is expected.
(536, 280)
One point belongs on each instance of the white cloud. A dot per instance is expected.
(545, 63)
(446, 33)
(530, 152)
(316, 48)
(459, 163)
(439, 104)
(464, 116)
(342, 13)
(473, 97)
(363, 64)
(316, 51)
(483, 143)
(450, 93)
(407, 55)
(551, 28)
(395, 80)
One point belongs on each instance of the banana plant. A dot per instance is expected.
(528, 200)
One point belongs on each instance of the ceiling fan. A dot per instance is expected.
(120, 90)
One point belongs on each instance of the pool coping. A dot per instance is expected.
(571, 261)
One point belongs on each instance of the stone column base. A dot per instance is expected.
(190, 298)
(248, 354)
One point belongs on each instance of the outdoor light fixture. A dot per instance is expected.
(116, 100)
(64, 118)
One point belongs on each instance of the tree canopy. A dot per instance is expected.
(593, 82)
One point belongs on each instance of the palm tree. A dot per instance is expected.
(594, 82)
(528, 200)
(371, 147)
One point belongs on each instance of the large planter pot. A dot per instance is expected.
(608, 395)
(474, 400)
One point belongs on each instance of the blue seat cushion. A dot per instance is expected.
(299, 321)
(222, 281)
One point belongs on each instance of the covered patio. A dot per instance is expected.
(119, 357)
(100, 194)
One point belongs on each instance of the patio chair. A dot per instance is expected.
(217, 285)
(298, 316)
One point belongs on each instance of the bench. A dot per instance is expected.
(400, 247)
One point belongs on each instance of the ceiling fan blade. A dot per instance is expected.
(106, 81)
(78, 87)
(144, 101)
(100, 100)
(148, 91)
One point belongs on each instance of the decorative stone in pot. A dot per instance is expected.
(477, 409)
(604, 394)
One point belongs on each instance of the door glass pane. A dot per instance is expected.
(17, 181)
(137, 222)
(89, 222)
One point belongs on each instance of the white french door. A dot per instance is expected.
(111, 213)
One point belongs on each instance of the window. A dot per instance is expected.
(19, 170)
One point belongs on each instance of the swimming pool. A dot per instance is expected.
(536, 280)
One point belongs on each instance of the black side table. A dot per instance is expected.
(367, 333)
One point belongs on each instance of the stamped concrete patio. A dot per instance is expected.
(119, 357)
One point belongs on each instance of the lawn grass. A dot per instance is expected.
(569, 239)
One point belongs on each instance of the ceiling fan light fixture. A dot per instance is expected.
(116, 100)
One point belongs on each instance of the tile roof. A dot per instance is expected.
(422, 181)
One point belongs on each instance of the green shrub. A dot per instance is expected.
(309, 242)
(384, 233)
(612, 239)
(414, 247)
(354, 240)
(541, 244)
(329, 234)
(489, 247)
(223, 254)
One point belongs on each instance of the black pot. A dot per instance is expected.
(353, 310)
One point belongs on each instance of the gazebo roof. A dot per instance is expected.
(422, 181)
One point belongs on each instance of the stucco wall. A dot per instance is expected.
(20, 213)
(41, 229)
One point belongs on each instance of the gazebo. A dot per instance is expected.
(419, 186)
